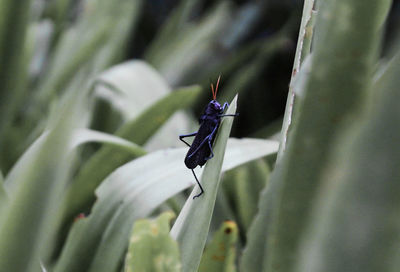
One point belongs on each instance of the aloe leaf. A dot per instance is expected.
(131, 87)
(151, 248)
(3, 195)
(13, 67)
(257, 235)
(304, 39)
(126, 90)
(87, 38)
(192, 225)
(133, 191)
(335, 89)
(184, 52)
(78, 137)
(81, 192)
(356, 223)
(28, 217)
(220, 253)
(248, 182)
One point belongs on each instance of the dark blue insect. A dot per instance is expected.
(201, 149)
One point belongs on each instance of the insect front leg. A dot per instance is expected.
(224, 115)
(225, 106)
(187, 135)
(223, 109)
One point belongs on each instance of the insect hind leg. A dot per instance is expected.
(198, 183)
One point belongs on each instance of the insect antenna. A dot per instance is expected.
(214, 92)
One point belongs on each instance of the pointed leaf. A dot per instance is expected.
(192, 225)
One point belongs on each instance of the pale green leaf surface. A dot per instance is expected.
(192, 225)
(151, 248)
(78, 137)
(86, 39)
(303, 39)
(355, 225)
(220, 253)
(249, 182)
(130, 88)
(3, 195)
(156, 186)
(133, 191)
(339, 81)
(81, 192)
(12, 58)
(29, 216)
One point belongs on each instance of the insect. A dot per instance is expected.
(201, 149)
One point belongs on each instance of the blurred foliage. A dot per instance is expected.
(94, 93)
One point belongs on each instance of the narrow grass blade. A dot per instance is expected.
(151, 248)
(192, 225)
(220, 253)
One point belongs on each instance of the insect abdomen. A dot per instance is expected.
(193, 158)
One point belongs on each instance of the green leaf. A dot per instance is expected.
(29, 217)
(94, 31)
(133, 191)
(192, 225)
(78, 137)
(124, 91)
(151, 248)
(14, 19)
(248, 182)
(3, 195)
(304, 39)
(220, 254)
(339, 80)
(355, 226)
(131, 87)
(81, 192)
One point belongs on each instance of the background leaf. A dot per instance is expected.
(220, 252)
(81, 192)
(133, 191)
(151, 248)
